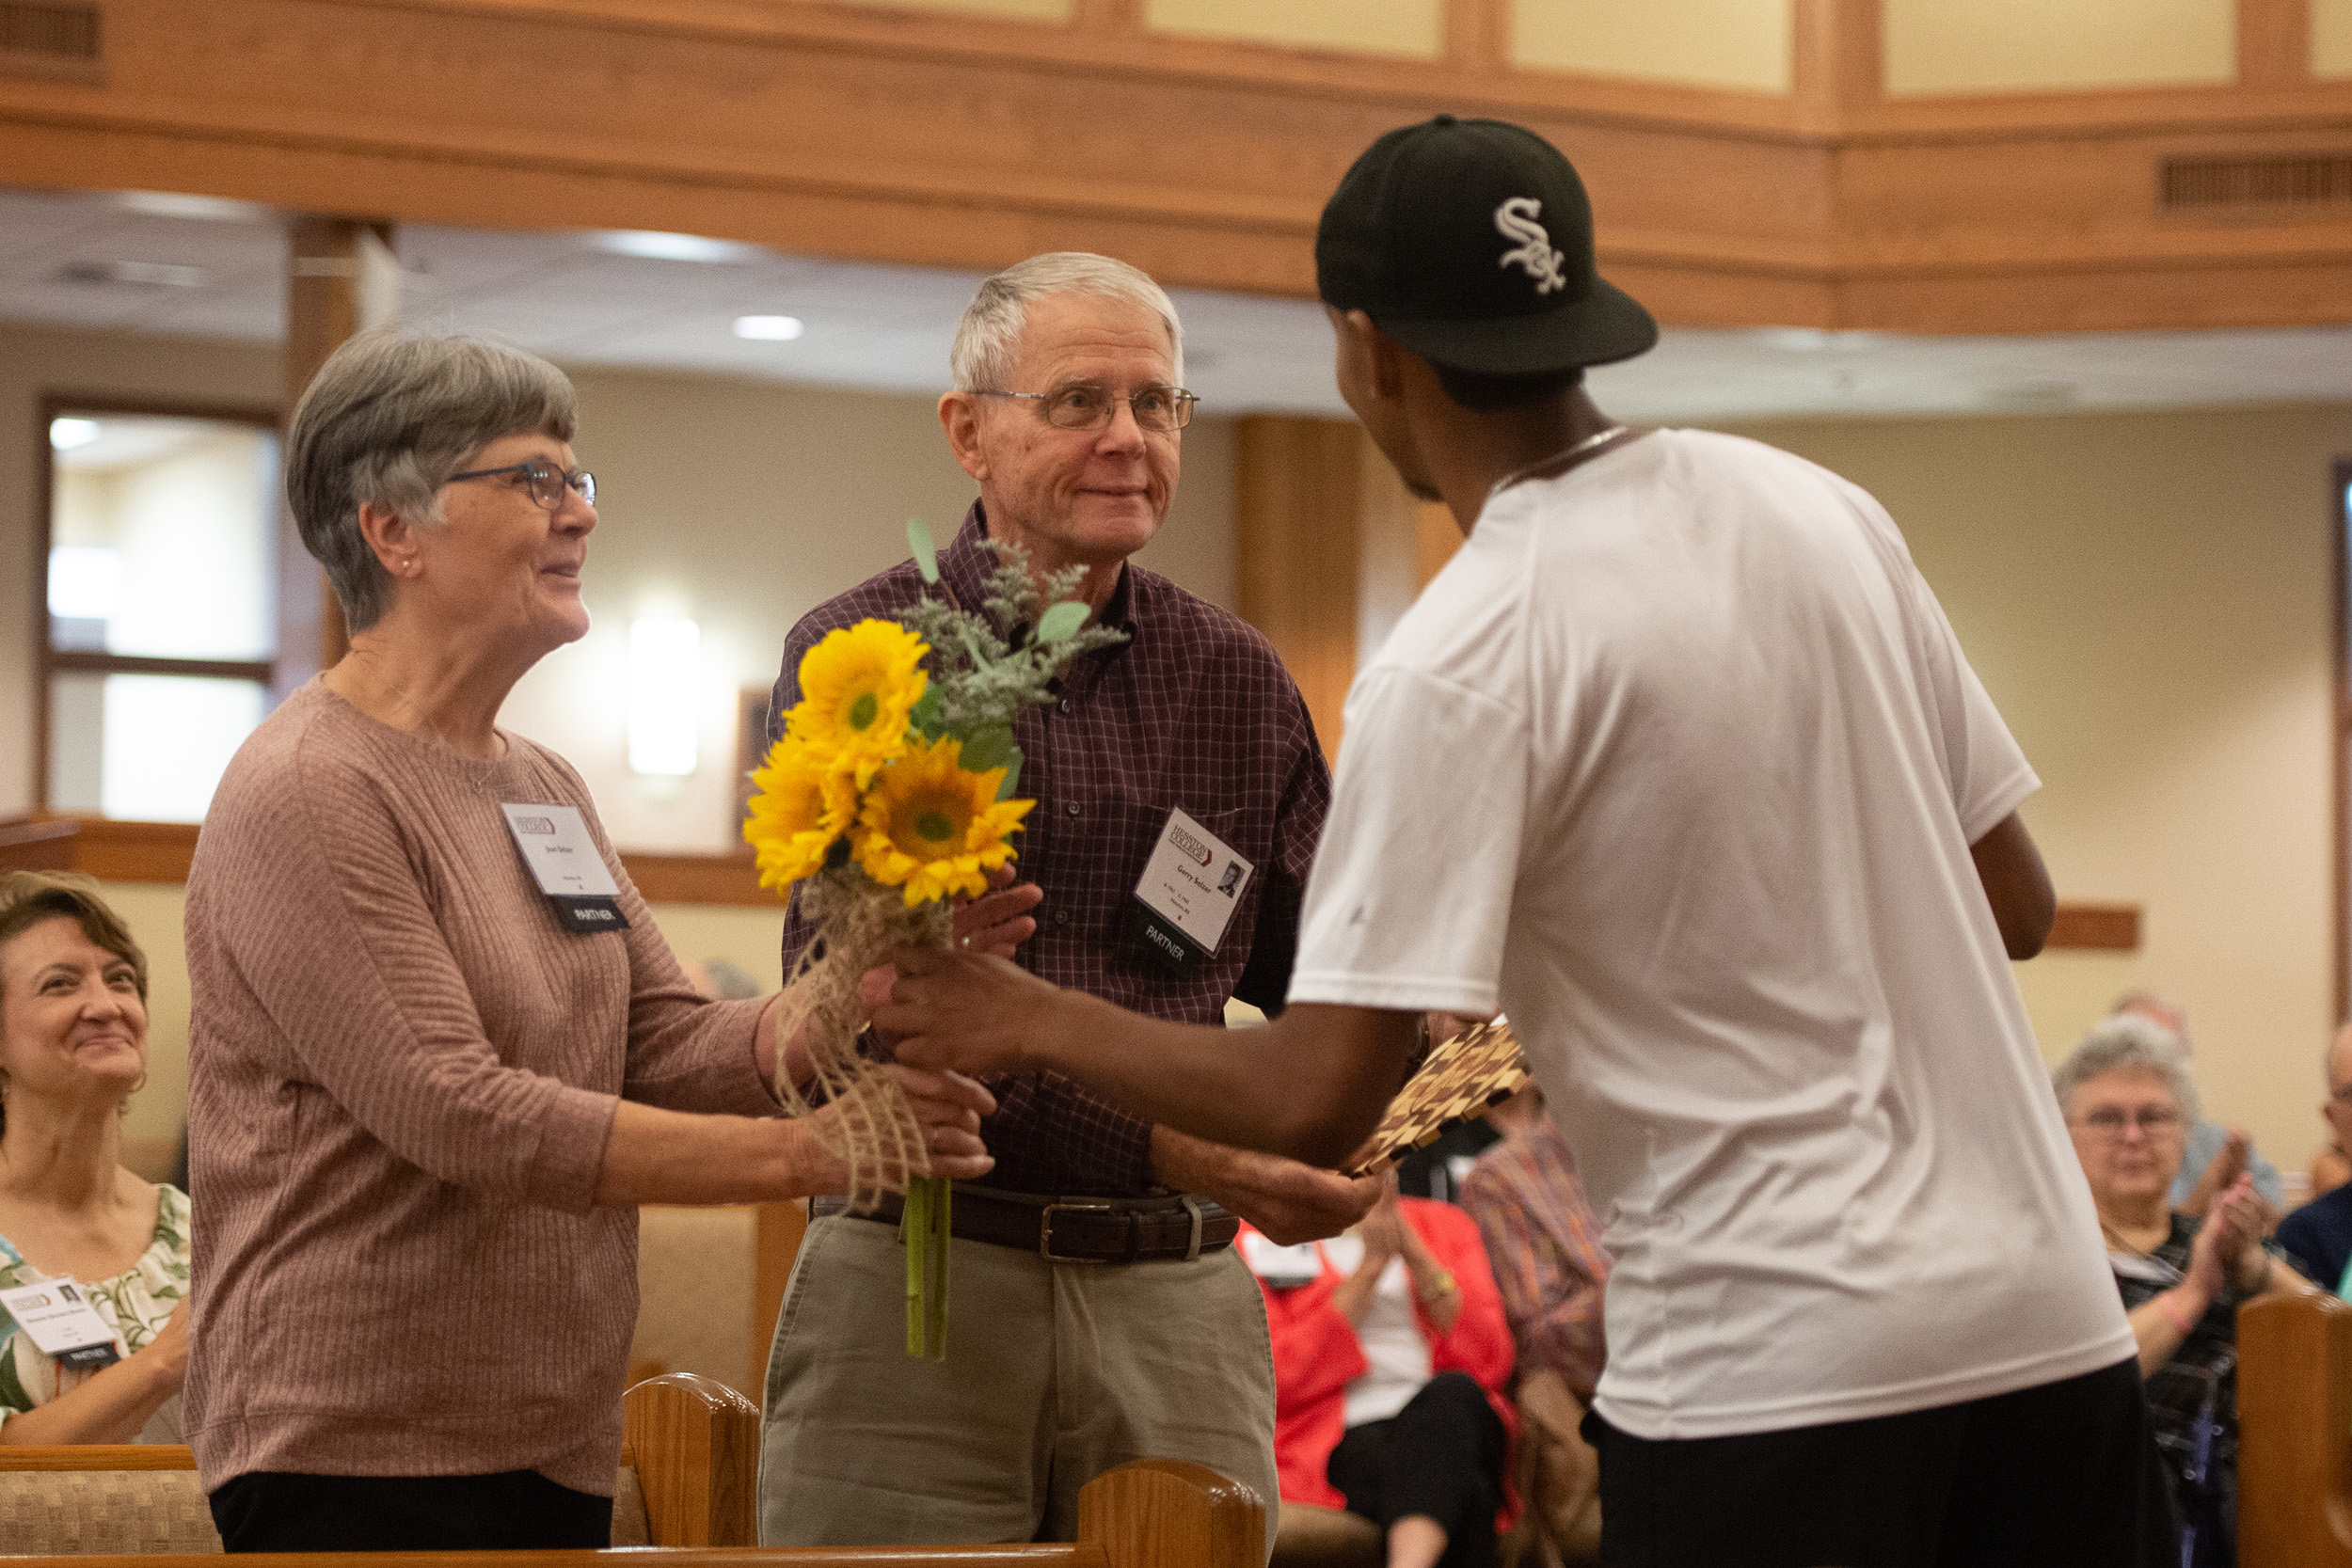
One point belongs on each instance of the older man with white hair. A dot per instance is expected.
(1100, 1312)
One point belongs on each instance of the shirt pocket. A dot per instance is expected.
(1135, 828)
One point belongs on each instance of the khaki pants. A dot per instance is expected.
(1054, 1374)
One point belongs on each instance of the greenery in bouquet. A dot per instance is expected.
(890, 795)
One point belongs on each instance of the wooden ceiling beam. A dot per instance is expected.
(865, 134)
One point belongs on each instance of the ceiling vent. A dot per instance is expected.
(40, 38)
(2295, 183)
(153, 275)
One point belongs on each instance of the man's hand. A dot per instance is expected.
(1288, 1202)
(969, 1013)
(998, 921)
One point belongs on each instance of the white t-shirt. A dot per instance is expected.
(1396, 1356)
(1678, 761)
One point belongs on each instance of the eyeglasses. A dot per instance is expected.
(544, 479)
(1083, 405)
(2108, 1121)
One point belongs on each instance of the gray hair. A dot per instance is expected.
(2128, 1042)
(989, 336)
(389, 418)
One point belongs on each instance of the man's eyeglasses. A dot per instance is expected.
(544, 479)
(1083, 406)
(2108, 1121)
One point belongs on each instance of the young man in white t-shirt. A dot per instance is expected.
(1680, 762)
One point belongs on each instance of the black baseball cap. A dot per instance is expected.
(1471, 243)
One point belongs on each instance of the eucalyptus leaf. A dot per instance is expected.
(928, 715)
(989, 748)
(1060, 622)
(925, 553)
(1013, 774)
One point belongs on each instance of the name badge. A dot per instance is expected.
(564, 860)
(61, 1322)
(1191, 886)
(1284, 1268)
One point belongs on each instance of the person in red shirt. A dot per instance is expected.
(1390, 1357)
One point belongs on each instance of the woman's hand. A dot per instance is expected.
(164, 1359)
(2210, 1255)
(1383, 1229)
(947, 1108)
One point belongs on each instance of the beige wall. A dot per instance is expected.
(2332, 38)
(2147, 597)
(1742, 44)
(1411, 27)
(1936, 46)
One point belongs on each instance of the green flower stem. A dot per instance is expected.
(926, 1227)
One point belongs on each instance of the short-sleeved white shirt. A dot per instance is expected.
(1680, 762)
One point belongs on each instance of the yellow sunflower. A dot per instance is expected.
(933, 828)
(800, 808)
(856, 689)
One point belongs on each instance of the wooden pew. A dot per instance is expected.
(2294, 1434)
(1153, 1514)
(688, 1477)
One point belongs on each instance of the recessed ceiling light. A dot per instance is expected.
(1815, 339)
(672, 247)
(780, 329)
(65, 435)
(179, 204)
(164, 274)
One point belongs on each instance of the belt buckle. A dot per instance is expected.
(1045, 1228)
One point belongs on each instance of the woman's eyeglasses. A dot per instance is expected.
(544, 479)
(2108, 1121)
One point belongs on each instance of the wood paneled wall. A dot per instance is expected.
(926, 137)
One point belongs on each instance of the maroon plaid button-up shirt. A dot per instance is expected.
(1194, 710)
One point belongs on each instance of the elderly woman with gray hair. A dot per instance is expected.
(2128, 1102)
(438, 1051)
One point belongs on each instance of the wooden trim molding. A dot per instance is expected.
(160, 852)
(2098, 928)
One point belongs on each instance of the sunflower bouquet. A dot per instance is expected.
(889, 796)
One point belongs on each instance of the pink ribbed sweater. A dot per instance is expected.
(403, 1071)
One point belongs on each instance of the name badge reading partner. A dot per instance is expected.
(1191, 886)
(58, 1317)
(563, 861)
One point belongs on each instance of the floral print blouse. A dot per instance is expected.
(136, 1302)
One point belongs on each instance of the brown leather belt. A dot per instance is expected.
(1073, 1229)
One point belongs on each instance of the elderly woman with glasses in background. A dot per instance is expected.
(440, 1052)
(2128, 1102)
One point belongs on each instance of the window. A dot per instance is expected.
(160, 601)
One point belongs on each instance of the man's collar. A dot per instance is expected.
(965, 565)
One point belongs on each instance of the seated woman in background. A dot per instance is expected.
(1391, 1355)
(2128, 1103)
(73, 1048)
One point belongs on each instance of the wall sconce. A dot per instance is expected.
(664, 694)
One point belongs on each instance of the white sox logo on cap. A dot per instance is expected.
(1516, 218)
